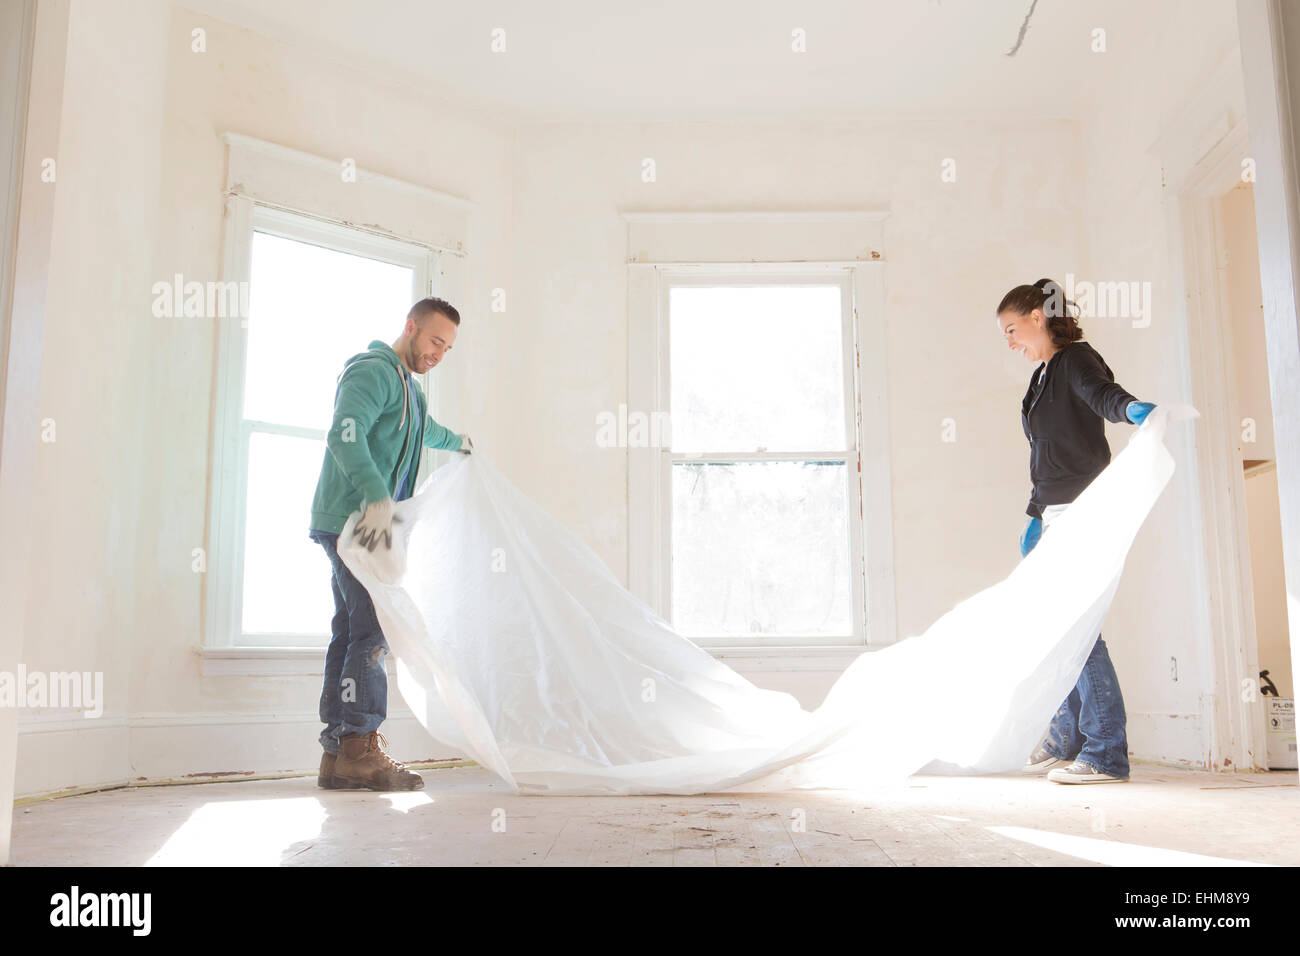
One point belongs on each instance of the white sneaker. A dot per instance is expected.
(1082, 773)
(1040, 761)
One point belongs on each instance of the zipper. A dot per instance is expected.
(1034, 403)
(406, 398)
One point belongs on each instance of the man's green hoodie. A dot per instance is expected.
(374, 438)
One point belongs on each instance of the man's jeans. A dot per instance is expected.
(354, 698)
(1090, 725)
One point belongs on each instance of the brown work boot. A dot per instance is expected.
(326, 779)
(362, 762)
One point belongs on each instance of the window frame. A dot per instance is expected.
(232, 432)
(654, 503)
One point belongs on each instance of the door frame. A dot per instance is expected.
(1233, 723)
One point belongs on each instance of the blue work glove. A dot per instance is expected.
(1138, 411)
(1029, 537)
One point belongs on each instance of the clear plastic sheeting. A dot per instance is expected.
(517, 645)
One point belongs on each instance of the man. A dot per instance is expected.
(380, 425)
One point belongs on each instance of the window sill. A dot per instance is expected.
(265, 662)
(310, 661)
(788, 658)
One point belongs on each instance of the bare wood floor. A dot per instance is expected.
(1163, 817)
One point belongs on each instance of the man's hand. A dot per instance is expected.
(376, 525)
(466, 445)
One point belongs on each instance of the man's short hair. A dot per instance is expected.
(426, 306)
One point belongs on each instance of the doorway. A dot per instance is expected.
(1243, 304)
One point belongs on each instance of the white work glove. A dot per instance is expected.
(466, 445)
(375, 525)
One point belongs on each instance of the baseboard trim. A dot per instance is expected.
(202, 779)
(62, 756)
(1168, 738)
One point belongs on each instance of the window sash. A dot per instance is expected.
(848, 453)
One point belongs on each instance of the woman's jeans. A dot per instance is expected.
(354, 698)
(1090, 726)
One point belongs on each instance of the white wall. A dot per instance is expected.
(86, 590)
(1164, 670)
(1032, 199)
(128, 478)
(951, 251)
(126, 486)
(30, 75)
(1270, 44)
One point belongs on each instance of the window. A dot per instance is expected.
(762, 480)
(318, 293)
(763, 528)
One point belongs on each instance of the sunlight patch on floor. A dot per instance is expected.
(241, 833)
(404, 802)
(1112, 852)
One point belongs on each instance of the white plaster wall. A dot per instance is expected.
(276, 92)
(141, 173)
(86, 589)
(951, 252)
(1155, 616)
(1032, 199)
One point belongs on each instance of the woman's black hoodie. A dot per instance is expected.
(1063, 422)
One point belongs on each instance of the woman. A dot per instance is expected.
(1070, 393)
